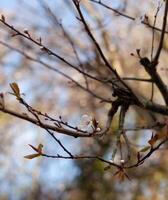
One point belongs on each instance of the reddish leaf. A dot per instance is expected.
(95, 123)
(153, 141)
(156, 137)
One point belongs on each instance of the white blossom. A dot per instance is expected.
(122, 161)
(86, 124)
(112, 161)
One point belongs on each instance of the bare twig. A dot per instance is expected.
(57, 71)
(82, 157)
(56, 22)
(142, 160)
(152, 71)
(125, 15)
(153, 30)
(136, 79)
(46, 49)
(156, 58)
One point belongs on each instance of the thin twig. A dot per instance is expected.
(142, 160)
(46, 49)
(56, 70)
(82, 157)
(125, 15)
(136, 79)
(156, 58)
(153, 30)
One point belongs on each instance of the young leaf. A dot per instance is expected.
(40, 147)
(138, 156)
(121, 175)
(107, 167)
(34, 148)
(145, 149)
(153, 141)
(3, 18)
(31, 156)
(2, 102)
(95, 123)
(15, 89)
(157, 137)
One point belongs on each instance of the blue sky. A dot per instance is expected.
(57, 171)
(7, 4)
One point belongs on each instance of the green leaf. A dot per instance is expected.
(145, 149)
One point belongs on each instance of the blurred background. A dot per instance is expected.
(56, 23)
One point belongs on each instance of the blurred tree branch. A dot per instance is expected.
(123, 96)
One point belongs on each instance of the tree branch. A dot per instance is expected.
(156, 58)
